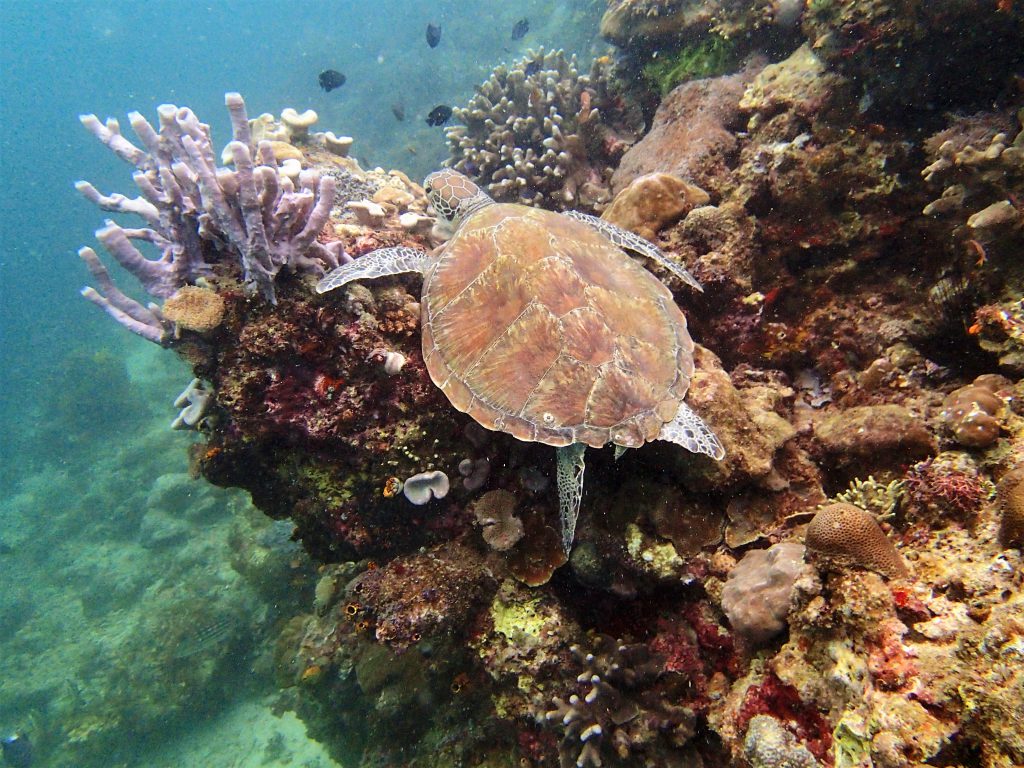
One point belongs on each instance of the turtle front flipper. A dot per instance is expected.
(385, 261)
(570, 489)
(633, 242)
(689, 430)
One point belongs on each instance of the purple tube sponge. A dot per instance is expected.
(195, 210)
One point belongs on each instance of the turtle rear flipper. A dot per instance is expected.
(570, 489)
(689, 430)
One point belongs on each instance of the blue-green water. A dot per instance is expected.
(108, 552)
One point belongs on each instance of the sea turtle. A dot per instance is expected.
(537, 324)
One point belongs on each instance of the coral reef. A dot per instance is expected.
(539, 132)
(857, 348)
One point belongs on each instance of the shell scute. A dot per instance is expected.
(561, 396)
(588, 337)
(634, 315)
(508, 371)
(617, 396)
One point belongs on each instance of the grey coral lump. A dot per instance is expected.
(757, 595)
(421, 488)
(769, 745)
(541, 133)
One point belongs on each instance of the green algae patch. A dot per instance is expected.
(519, 620)
(661, 560)
(708, 58)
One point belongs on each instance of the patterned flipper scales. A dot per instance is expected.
(689, 430)
(570, 489)
(633, 242)
(386, 261)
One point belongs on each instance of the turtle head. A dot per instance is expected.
(453, 196)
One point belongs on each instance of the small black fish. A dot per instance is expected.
(439, 115)
(433, 35)
(331, 79)
(520, 28)
(532, 68)
(398, 110)
(5, 548)
(17, 750)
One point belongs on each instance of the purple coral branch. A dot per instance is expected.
(194, 207)
(144, 321)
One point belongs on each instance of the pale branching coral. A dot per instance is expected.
(193, 403)
(848, 535)
(978, 169)
(881, 499)
(541, 133)
(616, 709)
(757, 595)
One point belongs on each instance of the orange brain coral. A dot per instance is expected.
(195, 309)
(852, 536)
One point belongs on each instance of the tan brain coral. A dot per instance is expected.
(1010, 497)
(850, 536)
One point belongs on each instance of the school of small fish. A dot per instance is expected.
(330, 79)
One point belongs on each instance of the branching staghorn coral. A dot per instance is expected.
(543, 134)
(619, 706)
(198, 214)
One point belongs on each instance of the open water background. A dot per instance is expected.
(85, 406)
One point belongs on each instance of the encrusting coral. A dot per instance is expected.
(495, 513)
(1010, 497)
(194, 308)
(541, 133)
